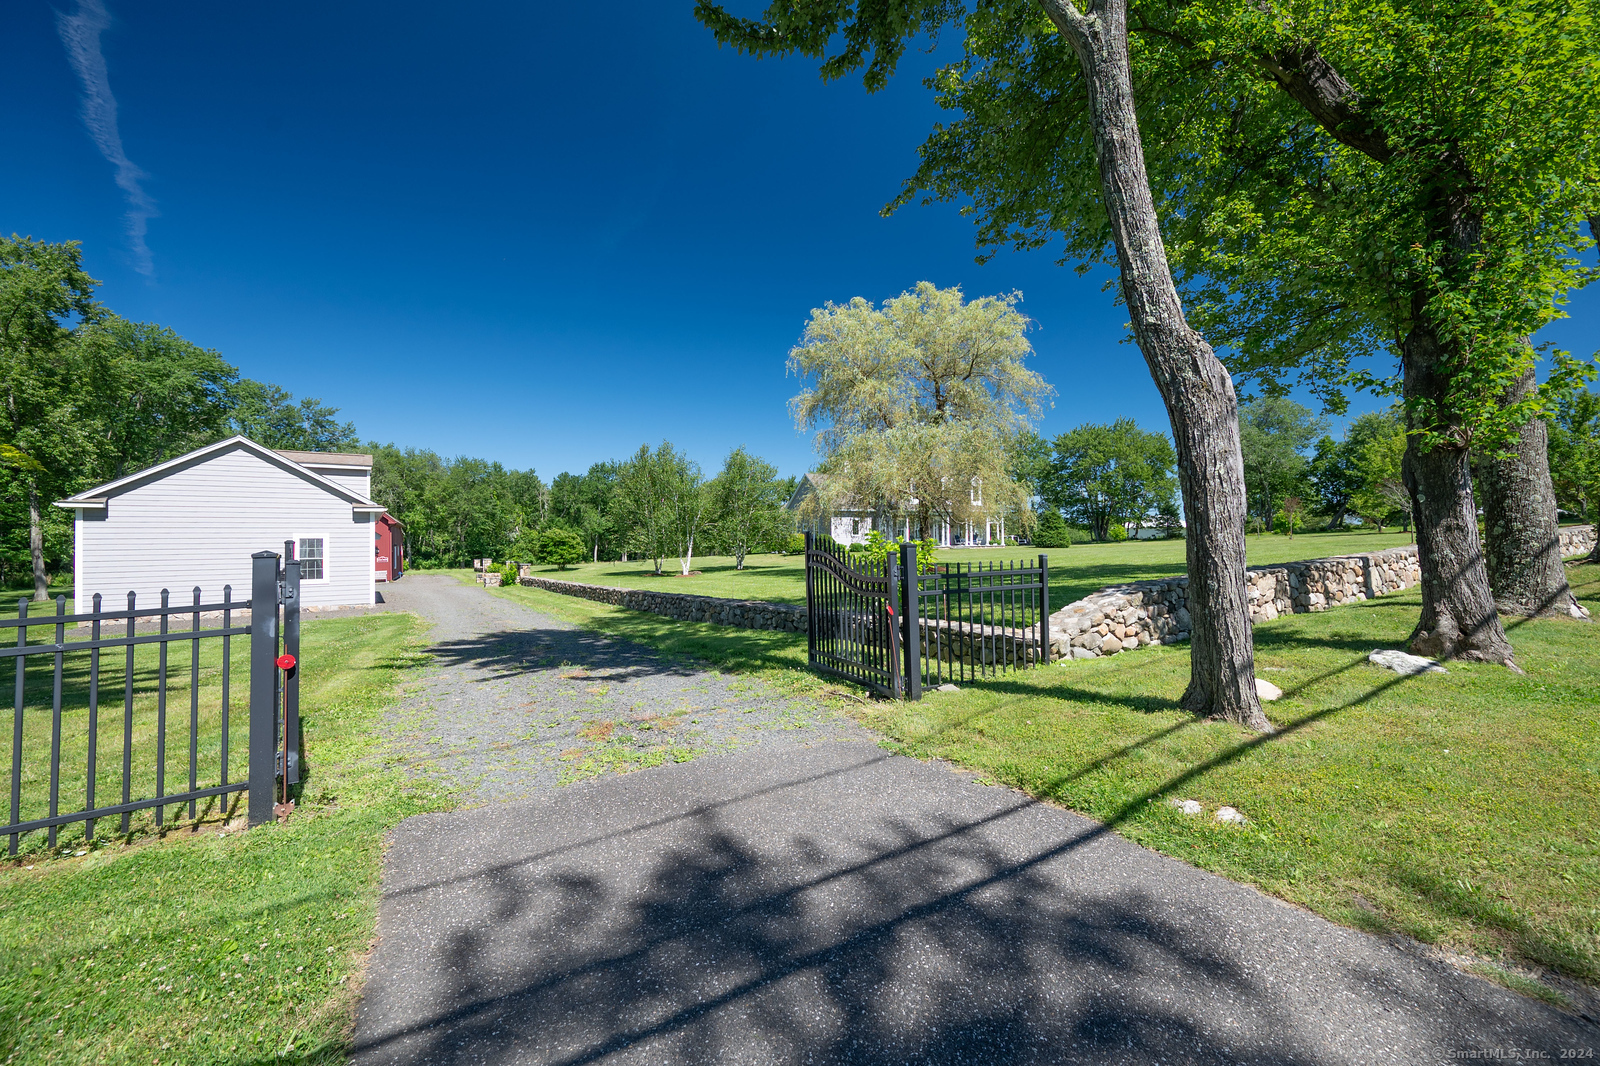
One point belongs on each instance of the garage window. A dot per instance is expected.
(311, 559)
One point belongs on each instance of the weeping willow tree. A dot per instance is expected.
(918, 404)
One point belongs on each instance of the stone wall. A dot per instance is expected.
(1124, 617)
(1577, 540)
(745, 614)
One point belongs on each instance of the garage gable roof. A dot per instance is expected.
(95, 498)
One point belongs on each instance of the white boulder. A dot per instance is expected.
(1268, 691)
(1230, 816)
(1186, 806)
(1405, 663)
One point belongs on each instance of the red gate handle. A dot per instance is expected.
(285, 661)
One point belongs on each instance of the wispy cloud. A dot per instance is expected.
(80, 32)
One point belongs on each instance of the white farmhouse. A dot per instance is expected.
(196, 519)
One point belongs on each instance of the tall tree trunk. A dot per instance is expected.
(1194, 384)
(41, 580)
(1459, 620)
(1522, 536)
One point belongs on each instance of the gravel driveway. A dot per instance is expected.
(516, 701)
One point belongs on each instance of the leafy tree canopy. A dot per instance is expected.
(270, 416)
(1105, 475)
(1274, 433)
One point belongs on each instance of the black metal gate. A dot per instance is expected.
(896, 630)
(851, 627)
(76, 668)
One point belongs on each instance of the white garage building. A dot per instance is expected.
(196, 519)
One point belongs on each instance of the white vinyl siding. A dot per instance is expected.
(355, 478)
(199, 525)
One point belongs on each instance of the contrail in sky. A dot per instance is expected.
(81, 34)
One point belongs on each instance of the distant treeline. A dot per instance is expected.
(654, 504)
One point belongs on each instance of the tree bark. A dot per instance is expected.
(41, 580)
(1195, 386)
(1522, 534)
(1459, 620)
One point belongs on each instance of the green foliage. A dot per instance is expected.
(559, 548)
(582, 503)
(270, 416)
(1274, 433)
(1052, 531)
(918, 403)
(456, 510)
(661, 500)
(795, 544)
(1436, 191)
(1104, 475)
(747, 499)
(1382, 495)
(1575, 452)
(509, 574)
(1116, 532)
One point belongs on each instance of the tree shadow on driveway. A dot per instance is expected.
(857, 908)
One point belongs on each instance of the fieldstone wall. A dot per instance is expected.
(1124, 617)
(745, 614)
(1577, 540)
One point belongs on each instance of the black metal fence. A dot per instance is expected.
(895, 630)
(74, 677)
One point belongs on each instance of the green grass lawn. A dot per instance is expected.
(1462, 809)
(200, 945)
(1074, 572)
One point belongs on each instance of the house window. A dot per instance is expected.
(855, 526)
(311, 559)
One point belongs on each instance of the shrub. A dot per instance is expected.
(560, 548)
(795, 544)
(508, 574)
(1116, 531)
(1052, 531)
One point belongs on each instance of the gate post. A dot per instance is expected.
(291, 676)
(891, 573)
(1044, 609)
(263, 684)
(811, 608)
(910, 603)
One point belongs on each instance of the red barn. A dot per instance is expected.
(390, 548)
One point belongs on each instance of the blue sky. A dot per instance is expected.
(542, 234)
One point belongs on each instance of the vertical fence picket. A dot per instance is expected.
(94, 716)
(161, 712)
(127, 715)
(227, 624)
(55, 714)
(194, 703)
(16, 726)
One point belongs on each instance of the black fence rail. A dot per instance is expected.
(971, 620)
(83, 659)
(896, 630)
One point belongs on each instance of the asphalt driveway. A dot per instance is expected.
(838, 904)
